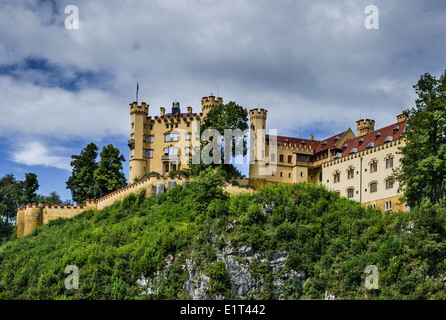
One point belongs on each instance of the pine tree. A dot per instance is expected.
(422, 173)
(109, 176)
(82, 182)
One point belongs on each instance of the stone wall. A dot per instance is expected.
(33, 215)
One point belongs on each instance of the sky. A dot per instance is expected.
(317, 66)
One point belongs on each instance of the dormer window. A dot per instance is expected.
(395, 130)
(371, 145)
(388, 139)
(324, 143)
(336, 139)
(344, 146)
(361, 141)
(378, 134)
(354, 150)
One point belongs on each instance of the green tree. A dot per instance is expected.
(82, 182)
(109, 176)
(11, 197)
(225, 116)
(30, 187)
(206, 187)
(422, 172)
(52, 198)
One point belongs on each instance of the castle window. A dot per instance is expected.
(144, 138)
(374, 166)
(389, 183)
(131, 152)
(281, 158)
(373, 187)
(350, 193)
(187, 150)
(290, 159)
(150, 139)
(337, 177)
(133, 125)
(350, 173)
(389, 162)
(388, 206)
(289, 175)
(150, 153)
(187, 136)
(143, 153)
(281, 174)
(171, 137)
(171, 151)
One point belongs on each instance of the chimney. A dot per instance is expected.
(189, 110)
(311, 137)
(162, 111)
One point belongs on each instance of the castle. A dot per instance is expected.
(357, 167)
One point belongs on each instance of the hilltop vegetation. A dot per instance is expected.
(328, 239)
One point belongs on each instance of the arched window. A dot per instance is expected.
(350, 192)
(389, 183)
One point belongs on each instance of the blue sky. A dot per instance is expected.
(312, 64)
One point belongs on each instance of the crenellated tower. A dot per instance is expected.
(138, 163)
(365, 126)
(258, 147)
(207, 103)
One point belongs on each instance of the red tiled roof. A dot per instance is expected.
(316, 145)
(394, 131)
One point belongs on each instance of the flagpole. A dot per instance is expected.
(137, 88)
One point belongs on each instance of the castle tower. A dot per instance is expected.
(257, 146)
(365, 126)
(33, 218)
(138, 164)
(207, 103)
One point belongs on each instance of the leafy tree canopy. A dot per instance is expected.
(422, 173)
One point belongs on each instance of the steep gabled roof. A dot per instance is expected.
(374, 138)
(315, 145)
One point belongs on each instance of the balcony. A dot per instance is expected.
(171, 158)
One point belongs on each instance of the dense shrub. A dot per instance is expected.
(331, 239)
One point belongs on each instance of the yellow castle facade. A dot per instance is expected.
(358, 167)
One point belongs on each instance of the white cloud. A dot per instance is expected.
(311, 59)
(28, 109)
(35, 153)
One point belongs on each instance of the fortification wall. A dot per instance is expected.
(33, 215)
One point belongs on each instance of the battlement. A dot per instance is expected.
(139, 109)
(210, 102)
(258, 114)
(365, 126)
